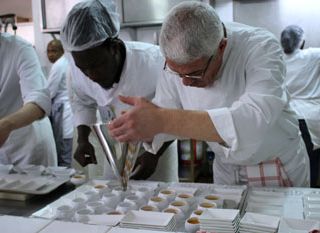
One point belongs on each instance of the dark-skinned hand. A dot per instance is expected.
(145, 166)
(84, 154)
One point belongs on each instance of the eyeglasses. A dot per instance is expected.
(199, 76)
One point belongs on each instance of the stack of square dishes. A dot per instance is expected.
(259, 223)
(297, 225)
(220, 220)
(149, 220)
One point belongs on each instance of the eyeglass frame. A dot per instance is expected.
(200, 76)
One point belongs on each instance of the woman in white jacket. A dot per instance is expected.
(303, 84)
(25, 132)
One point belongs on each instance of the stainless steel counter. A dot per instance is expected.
(36, 202)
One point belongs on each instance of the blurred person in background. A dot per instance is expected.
(102, 66)
(61, 115)
(223, 85)
(25, 132)
(54, 50)
(303, 84)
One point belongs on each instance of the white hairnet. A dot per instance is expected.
(291, 38)
(89, 24)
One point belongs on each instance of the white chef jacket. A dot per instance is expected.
(142, 68)
(303, 84)
(21, 82)
(57, 85)
(247, 106)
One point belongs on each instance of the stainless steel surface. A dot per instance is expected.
(54, 13)
(146, 11)
(132, 13)
(121, 156)
(35, 203)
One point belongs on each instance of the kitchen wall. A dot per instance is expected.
(151, 34)
(25, 30)
(275, 15)
(271, 14)
(41, 39)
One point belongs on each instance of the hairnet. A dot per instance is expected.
(89, 24)
(291, 38)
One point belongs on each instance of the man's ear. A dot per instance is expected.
(114, 45)
(222, 45)
(302, 44)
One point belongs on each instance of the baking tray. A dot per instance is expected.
(28, 184)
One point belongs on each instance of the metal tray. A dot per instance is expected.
(28, 184)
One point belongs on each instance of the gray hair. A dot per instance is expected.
(291, 38)
(89, 24)
(190, 31)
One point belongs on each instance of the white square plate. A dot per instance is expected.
(229, 215)
(127, 230)
(277, 201)
(297, 225)
(104, 219)
(260, 220)
(250, 230)
(13, 224)
(71, 227)
(268, 193)
(144, 218)
(264, 209)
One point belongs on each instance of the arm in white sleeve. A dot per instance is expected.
(84, 108)
(32, 80)
(244, 125)
(169, 99)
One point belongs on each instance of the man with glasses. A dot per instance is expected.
(102, 67)
(223, 86)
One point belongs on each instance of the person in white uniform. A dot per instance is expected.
(303, 84)
(25, 131)
(54, 50)
(61, 114)
(223, 86)
(102, 66)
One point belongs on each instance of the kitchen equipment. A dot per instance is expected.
(121, 156)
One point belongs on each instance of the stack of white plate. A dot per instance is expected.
(297, 225)
(259, 223)
(148, 220)
(220, 220)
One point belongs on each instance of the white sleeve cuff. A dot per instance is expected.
(40, 98)
(223, 122)
(157, 142)
(85, 117)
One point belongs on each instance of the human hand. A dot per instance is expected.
(84, 154)
(140, 123)
(315, 231)
(5, 131)
(145, 166)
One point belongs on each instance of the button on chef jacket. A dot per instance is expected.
(141, 71)
(247, 106)
(303, 84)
(21, 82)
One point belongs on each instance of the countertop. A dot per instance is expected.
(36, 202)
